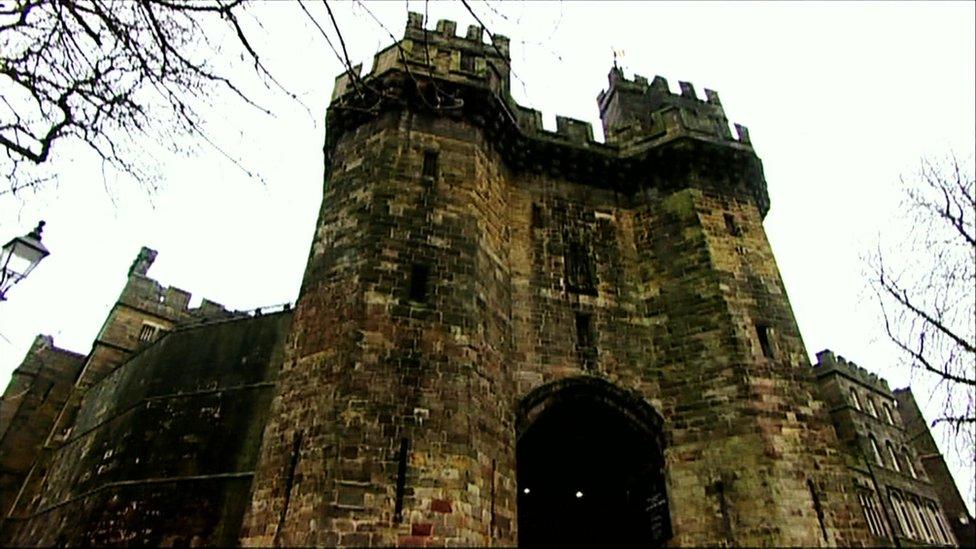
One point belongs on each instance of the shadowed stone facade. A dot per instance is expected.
(504, 335)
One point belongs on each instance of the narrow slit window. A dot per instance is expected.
(401, 481)
(854, 400)
(296, 448)
(418, 282)
(584, 340)
(765, 334)
(818, 509)
(430, 164)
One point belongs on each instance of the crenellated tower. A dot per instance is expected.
(502, 328)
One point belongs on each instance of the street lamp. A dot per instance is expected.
(19, 257)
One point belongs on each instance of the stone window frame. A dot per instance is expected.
(901, 513)
(149, 332)
(908, 462)
(888, 414)
(893, 455)
(580, 268)
(871, 408)
(942, 527)
(872, 513)
(925, 530)
(877, 450)
(855, 400)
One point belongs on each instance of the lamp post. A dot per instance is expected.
(19, 257)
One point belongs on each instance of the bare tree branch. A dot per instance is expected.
(926, 285)
(109, 72)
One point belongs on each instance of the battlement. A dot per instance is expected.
(468, 77)
(633, 111)
(146, 294)
(438, 51)
(637, 109)
(828, 362)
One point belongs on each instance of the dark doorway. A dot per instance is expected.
(590, 472)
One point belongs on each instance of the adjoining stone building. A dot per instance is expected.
(504, 335)
(879, 429)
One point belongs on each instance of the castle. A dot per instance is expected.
(504, 336)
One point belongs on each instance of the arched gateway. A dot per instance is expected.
(590, 467)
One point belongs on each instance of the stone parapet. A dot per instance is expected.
(652, 136)
(828, 362)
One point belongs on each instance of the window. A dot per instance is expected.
(925, 531)
(871, 512)
(430, 164)
(939, 524)
(730, 226)
(584, 340)
(467, 61)
(870, 405)
(148, 332)
(877, 451)
(887, 412)
(418, 282)
(580, 275)
(908, 463)
(854, 400)
(901, 512)
(893, 456)
(765, 334)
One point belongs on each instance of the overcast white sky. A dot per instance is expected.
(840, 99)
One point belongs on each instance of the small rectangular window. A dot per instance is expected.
(580, 275)
(585, 346)
(765, 334)
(731, 226)
(430, 164)
(418, 282)
(147, 333)
(467, 62)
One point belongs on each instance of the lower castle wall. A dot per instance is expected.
(163, 449)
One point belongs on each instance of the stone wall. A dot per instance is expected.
(893, 487)
(464, 257)
(38, 389)
(163, 448)
(957, 514)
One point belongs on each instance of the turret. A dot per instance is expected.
(636, 109)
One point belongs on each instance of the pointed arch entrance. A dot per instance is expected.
(590, 467)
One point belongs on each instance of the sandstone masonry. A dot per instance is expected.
(504, 336)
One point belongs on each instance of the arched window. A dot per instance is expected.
(893, 456)
(939, 524)
(876, 450)
(870, 507)
(925, 531)
(901, 513)
(854, 400)
(887, 413)
(871, 409)
(908, 462)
